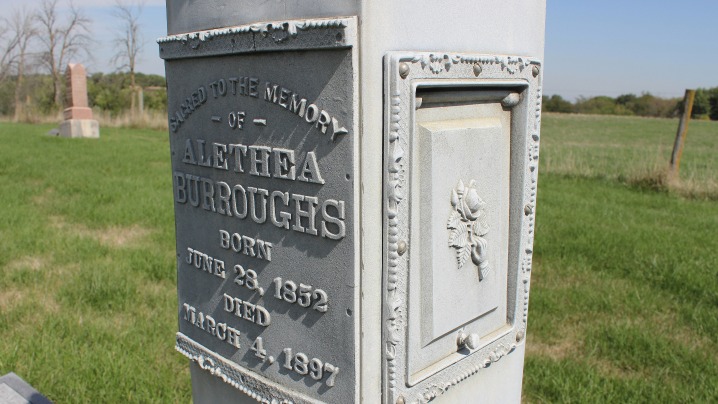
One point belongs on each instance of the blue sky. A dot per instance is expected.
(105, 28)
(607, 47)
(153, 22)
(612, 47)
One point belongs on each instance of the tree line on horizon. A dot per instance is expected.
(705, 105)
(108, 92)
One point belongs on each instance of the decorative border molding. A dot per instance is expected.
(400, 71)
(265, 36)
(442, 62)
(290, 27)
(256, 387)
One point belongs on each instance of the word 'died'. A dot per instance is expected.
(245, 310)
(260, 161)
(289, 211)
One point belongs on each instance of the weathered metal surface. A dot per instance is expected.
(263, 125)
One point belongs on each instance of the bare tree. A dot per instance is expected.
(129, 43)
(16, 33)
(62, 40)
(8, 47)
(22, 24)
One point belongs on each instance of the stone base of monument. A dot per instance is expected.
(80, 128)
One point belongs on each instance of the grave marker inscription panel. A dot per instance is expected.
(263, 126)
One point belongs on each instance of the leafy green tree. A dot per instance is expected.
(556, 103)
(626, 99)
(113, 92)
(701, 104)
(713, 103)
(601, 105)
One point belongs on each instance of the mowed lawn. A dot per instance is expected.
(624, 290)
(87, 267)
(631, 150)
(624, 295)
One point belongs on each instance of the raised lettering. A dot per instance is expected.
(310, 170)
(259, 160)
(312, 113)
(189, 157)
(224, 195)
(284, 196)
(208, 195)
(219, 154)
(297, 105)
(284, 166)
(180, 187)
(239, 151)
(323, 121)
(337, 220)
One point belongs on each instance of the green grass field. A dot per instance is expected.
(624, 292)
(624, 297)
(87, 278)
(630, 150)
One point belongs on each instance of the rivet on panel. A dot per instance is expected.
(511, 100)
(400, 400)
(401, 248)
(527, 210)
(461, 339)
(477, 69)
(404, 70)
(470, 341)
(535, 71)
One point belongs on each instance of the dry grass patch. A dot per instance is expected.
(570, 347)
(43, 303)
(148, 119)
(565, 348)
(44, 198)
(29, 262)
(677, 332)
(659, 179)
(609, 369)
(114, 237)
(11, 298)
(121, 236)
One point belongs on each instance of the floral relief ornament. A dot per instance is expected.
(468, 226)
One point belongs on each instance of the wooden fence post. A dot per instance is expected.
(682, 132)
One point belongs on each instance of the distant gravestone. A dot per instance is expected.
(78, 116)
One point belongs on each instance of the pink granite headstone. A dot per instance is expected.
(78, 115)
(77, 107)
